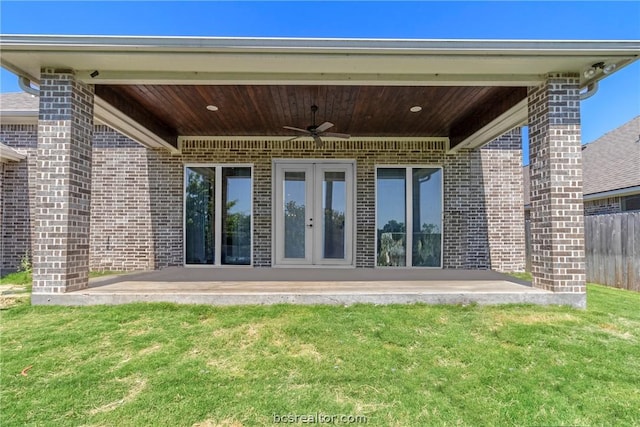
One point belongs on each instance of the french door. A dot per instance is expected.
(313, 213)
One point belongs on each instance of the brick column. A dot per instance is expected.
(63, 184)
(557, 221)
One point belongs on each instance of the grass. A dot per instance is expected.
(524, 276)
(400, 365)
(22, 278)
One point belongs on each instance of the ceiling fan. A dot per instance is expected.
(315, 131)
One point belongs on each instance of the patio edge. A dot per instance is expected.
(576, 300)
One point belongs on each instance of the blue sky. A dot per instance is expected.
(616, 102)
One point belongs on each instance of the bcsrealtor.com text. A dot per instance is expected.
(318, 418)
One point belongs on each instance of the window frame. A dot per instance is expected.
(409, 214)
(623, 203)
(217, 262)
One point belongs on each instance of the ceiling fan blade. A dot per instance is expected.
(324, 126)
(294, 138)
(318, 141)
(296, 129)
(337, 135)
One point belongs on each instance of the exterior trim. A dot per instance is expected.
(9, 154)
(512, 118)
(619, 192)
(127, 126)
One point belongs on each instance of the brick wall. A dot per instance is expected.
(504, 201)
(608, 205)
(18, 193)
(137, 197)
(121, 231)
(466, 226)
(166, 197)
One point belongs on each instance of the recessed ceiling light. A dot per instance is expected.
(415, 109)
(212, 108)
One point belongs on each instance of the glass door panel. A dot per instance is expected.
(427, 217)
(391, 217)
(200, 215)
(295, 209)
(294, 214)
(334, 209)
(334, 199)
(236, 216)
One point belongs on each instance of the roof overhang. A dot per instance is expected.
(278, 61)
(183, 60)
(8, 154)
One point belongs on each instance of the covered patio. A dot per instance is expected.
(231, 168)
(303, 286)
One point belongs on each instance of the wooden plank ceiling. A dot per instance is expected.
(362, 111)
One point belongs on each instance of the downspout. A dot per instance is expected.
(25, 85)
(592, 88)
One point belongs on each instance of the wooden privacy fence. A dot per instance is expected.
(612, 247)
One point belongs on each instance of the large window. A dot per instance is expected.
(409, 216)
(217, 212)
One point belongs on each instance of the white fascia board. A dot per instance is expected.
(517, 115)
(16, 117)
(9, 154)
(621, 192)
(127, 126)
(444, 46)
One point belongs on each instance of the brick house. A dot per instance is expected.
(151, 152)
(610, 172)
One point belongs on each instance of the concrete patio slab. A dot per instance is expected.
(233, 286)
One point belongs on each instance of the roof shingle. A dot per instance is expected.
(18, 101)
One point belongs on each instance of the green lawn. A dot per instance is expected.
(24, 277)
(410, 365)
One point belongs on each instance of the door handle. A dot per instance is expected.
(309, 225)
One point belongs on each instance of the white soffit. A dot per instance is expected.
(191, 60)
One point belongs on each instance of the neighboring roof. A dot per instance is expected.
(18, 108)
(610, 163)
(18, 101)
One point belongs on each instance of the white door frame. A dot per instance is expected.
(313, 235)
